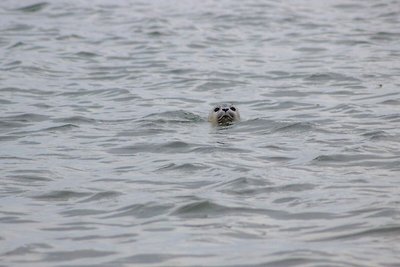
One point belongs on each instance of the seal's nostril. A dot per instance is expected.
(225, 109)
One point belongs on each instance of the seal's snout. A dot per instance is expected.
(225, 109)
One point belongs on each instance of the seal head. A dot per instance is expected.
(224, 114)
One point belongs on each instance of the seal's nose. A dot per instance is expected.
(225, 109)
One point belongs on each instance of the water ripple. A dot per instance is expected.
(107, 158)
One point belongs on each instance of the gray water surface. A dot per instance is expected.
(107, 158)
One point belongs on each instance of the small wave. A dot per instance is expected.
(187, 167)
(107, 195)
(66, 256)
(33, 8)
(27, 117)
(76, 120)
(201, 209)
(65, 127)
(243, 186)
(380, 231)
(366, 160)
(330, 76)
(86, 54)
(146, 210)
(60, 195)
(30, 91)
(376, 135)
(30, 178)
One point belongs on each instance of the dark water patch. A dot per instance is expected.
(69, 37)
(61, 195)
(345, 108)
(14, 219)
(376, 135)
(349, 6)
(62, 128)
(72, 229)
(100, 237)
(33, 8)
(384, 213)
(379, 232)
(18, 27)
(344, 92)
(27, 249)
(392, 102)
(126, 99)
(17, 44)
(310, 49)
(44, 106)
(179, 71)
(208, 209)
(75, 120)
(30, 178)
(391, 117)
(352, 42)
(218, 149)
(201, 209)
(61, 256)
(85, 54)
(81, 212)
(329, 77)
(103, 76)
(366, 160)
(186, 167)
(377, 96)
(31, 91)
(385, 36)
(141, 211)
(267, 190)
(6, 102)
(245, 182)
(8, 125)
(276, 158)
(151, 259)
(15, 158)
(27, 117)
(102, 196)
(287, 200)
(305, 257)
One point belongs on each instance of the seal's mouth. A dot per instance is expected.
(226, 118)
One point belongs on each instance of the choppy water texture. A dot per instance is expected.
(107, 158)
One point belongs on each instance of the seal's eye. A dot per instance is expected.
(233, 108)
(216, 109)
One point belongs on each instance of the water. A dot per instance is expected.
(107, 158)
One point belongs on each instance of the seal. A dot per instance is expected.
(224, 114)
